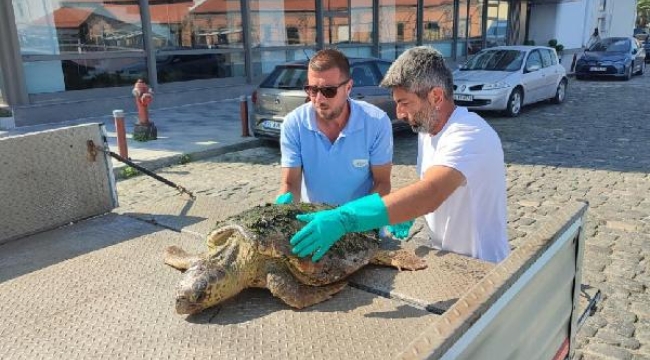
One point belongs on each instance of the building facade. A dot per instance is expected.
(64, 59)
(572, 22)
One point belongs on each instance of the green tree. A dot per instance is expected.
(642, 12)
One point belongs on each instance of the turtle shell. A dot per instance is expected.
(271, 227)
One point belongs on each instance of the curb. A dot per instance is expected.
(175, 159)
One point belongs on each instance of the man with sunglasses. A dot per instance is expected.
(462, 186)
(335, 149)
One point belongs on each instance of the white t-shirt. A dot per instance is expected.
(472, 221)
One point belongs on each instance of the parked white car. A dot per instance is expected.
(509, 77)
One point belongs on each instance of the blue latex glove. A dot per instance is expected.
(401, 230)
(286, 198)
(324, 228)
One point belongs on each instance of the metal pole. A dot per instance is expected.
(149, 49)
(92, 147)
(121, 133)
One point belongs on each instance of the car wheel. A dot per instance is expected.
(560, 93)
(642, 69)
(628, 75)
(514, 103)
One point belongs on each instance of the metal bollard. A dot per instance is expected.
(121, 133)
(243, 113)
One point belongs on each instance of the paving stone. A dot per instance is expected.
(609, 337)
(606, 351)
(643, 334)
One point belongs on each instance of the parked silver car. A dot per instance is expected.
(509, 77)
(282, 91)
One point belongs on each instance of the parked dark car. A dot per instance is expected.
(612, 57)
(646, 47)
(282, 91)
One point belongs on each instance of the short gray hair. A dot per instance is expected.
(418, 70)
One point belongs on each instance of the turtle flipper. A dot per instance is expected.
(178, 258)
(400, 259)
(298, 295)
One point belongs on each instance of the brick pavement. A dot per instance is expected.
(595, 147)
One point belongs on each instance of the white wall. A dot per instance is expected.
(542, 23)
(570, 24)
(623, 17)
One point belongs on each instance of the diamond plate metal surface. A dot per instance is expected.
(447, 278)
(99, 289)
(182, 214)
(46, 180)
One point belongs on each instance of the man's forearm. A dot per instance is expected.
(288, 189)
(382, 188)
(291, 182)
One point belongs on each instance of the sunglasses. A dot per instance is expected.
(327, 91)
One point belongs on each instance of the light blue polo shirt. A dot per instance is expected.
(335, 173)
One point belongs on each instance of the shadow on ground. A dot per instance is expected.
(36, 252)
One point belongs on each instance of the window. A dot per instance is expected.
(496, 60)
(553, 56)
(534, 59)
(546, 58)
(50, 27)
(208, 24)
(400, 32)
(363, 75)
(402, 13)
(383, 68)
(67, 45)
(438, 17)
(293, 36)
(286, 78)
(475, 27)
(602, 23)
(277, 22)
(20, 13)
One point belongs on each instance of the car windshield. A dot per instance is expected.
(496, 60)
(611, 45)
(286, 77)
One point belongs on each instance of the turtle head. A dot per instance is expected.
(204, 284)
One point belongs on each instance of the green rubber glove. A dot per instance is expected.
(401, 230)
(324, 228)
(286, 198)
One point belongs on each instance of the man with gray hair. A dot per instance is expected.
(462, 186)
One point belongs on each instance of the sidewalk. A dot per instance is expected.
(198, 130)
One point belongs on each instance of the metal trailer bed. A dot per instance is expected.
(81, 280)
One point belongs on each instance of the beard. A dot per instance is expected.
(329, 113)
(425, 120)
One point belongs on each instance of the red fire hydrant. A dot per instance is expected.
(144, 129)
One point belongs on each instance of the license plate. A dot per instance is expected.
(461, 97)
(597, 68)
(270, 124)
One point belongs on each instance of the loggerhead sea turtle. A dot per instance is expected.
(252, 249)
